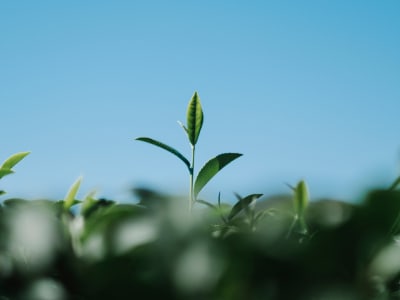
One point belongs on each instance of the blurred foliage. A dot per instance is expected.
(101, 249)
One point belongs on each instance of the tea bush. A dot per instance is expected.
(277, 247)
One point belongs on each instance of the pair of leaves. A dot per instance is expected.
(207, 172)
(9, 163)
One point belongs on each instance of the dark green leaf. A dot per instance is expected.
(165, 147)
(2, 193)
(13, 160)
(194, 117)
(211, 168)
(242, 203)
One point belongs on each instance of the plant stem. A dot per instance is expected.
(191, 188)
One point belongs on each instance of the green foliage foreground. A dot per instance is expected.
(273, 248)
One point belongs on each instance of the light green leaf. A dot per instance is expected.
(4, 172)
(69, 199)
(301, 198)
(13, 160)
(165, 147)
(211, 168)
(242, 203)
(194, 118)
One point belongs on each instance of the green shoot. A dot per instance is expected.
(9, 163)
(70, 197)
(301, 199)
(194, 124)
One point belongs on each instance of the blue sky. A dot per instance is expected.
(305, 90)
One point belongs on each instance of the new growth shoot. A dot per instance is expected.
(194, 124)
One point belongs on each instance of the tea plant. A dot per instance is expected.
(194, 123)
(7, 166)
(286, 247)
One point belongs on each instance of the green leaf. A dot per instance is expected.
(2, 193)
(301, 198)
(211, 168)
(13, 160)
(165, 147)
(69, 199)
(194, 118)
(242, 203)
(4, 172)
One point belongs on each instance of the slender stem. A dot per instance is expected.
(191, 188)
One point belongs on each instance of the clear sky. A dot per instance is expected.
(304, 89)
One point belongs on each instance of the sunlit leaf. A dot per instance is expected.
(165, 147)
(70, 197)
(211, 168)
(10, 162)
(194, 118)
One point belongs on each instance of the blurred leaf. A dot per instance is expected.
(13, 160)
(242, 203)
(300, 205)
(2, 193)
(194, 117)
(395, 184)
(4, 172)
(88, 202)
(12, 202)
(165, 147)
(211, 168)
(301, 198)
(95, 206)
(70, 197)
(207, 204)
(151, 198)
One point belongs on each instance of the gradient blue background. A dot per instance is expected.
(304, 89)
